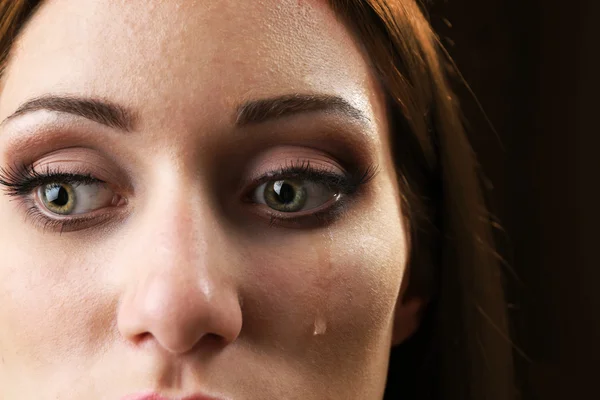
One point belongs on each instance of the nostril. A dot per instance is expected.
(214, 338)
(142, 338)
(211, 344)
(177, 315)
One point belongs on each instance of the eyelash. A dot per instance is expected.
(346, 185)
(20, 181)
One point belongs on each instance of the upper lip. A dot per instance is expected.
(156, 396)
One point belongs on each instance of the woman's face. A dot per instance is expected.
(189, 205)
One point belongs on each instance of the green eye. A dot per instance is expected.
(286, 195)
(58, 198)
(74, 198)
(293, 195)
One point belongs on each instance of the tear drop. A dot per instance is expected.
(319, 327)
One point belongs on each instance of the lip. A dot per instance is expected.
(156, 396)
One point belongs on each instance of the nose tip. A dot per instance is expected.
(178, 313)
(177, 287)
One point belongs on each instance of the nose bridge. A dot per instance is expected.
(178, 290)
(175, 223)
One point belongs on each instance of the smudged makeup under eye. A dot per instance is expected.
(301, 183)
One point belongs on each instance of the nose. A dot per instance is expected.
(177, 291)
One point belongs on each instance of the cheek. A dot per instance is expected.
(338, 286)
(50, 300)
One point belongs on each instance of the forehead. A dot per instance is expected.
(186, 53)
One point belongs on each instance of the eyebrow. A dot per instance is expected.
(103, 112)
(251, 112)
(258, 111)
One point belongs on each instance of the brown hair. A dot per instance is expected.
(461, 350)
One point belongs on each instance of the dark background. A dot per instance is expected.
(533, 66)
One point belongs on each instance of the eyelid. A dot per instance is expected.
(84, 161)
(62, 224)
(319, 216)
(295, 171)
(23, 183)
(277, 157)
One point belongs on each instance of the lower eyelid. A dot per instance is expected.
(47, 221)
(338, 201)
(68, 223)
(313, 220)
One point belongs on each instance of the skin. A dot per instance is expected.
(183, 287)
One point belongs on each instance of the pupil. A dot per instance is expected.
(286, 193)
(63, 197)
(58, 195)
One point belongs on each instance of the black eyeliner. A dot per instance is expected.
(342, 183)
(22, 180)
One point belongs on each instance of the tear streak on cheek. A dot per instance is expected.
(323, 290)
(357, 289)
